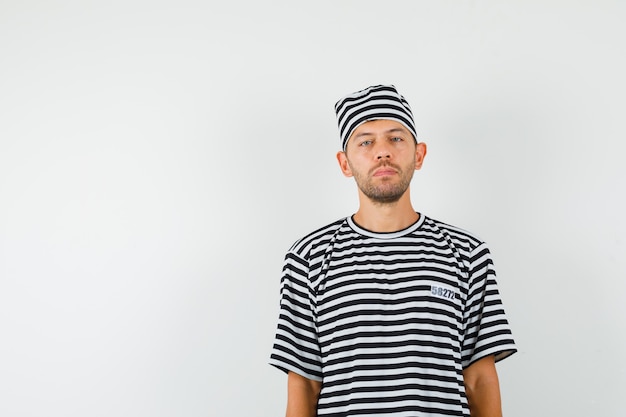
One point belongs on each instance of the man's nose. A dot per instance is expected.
(383, 151)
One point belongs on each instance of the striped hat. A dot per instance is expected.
(372, 103)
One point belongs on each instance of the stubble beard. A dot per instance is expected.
(385, 190)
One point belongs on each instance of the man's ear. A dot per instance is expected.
(420, 154)
(343, 164)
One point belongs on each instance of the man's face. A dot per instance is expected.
(382, 155)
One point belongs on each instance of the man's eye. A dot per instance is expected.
(366, 143)
(396, 139)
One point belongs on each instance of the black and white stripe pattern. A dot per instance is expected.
(372, 103)
(388, 321)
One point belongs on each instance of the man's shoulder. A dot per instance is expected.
(453, 232)
(316, 237)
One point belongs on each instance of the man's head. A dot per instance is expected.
(380, 148)
(373, 103)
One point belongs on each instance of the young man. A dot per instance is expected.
(389, 312)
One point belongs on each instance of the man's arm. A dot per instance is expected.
(302, 395)
(483, 388)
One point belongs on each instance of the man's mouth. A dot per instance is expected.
(384, 171)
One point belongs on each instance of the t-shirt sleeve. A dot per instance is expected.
(487, 331)
(296, 346)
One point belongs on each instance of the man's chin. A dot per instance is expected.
(388, 197)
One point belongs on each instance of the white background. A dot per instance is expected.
(157, 159)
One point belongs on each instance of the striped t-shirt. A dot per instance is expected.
(388, 321)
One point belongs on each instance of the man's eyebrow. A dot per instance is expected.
(358, 135)
(397, 129)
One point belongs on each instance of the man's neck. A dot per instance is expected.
(385, 218)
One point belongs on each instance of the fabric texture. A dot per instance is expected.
(388, 321)
(373, 103)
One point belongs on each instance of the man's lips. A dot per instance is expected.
(384, 171)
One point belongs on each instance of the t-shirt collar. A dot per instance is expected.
(386, 235)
